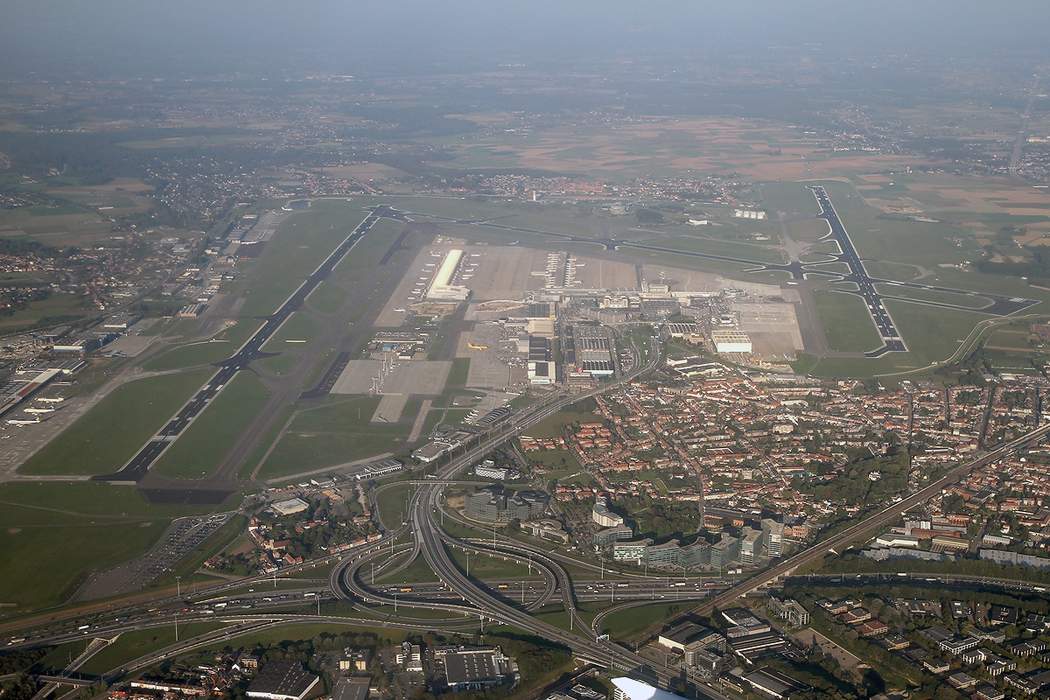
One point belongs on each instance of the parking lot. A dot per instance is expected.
(183, 536)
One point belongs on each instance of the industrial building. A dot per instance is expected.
(282, 680)
(731, 341)
(290, 506)
(474, 669)
(541, 369)
(590, 350)
(16, 391)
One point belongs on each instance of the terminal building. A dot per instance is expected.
(441, 288)
(16, 391)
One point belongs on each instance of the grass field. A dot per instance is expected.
(336, 432)
(132, 645)
(633, 622)
(932, 335)
(191, 355)
(391, 503)
(847, 324)
(554, 425)
(68, 529)
(108, 435)
(206, 441)
(58, 308)
(301, 632)
(301, 243)
(485, 567)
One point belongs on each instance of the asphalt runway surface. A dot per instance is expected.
(891, 339)
(997, 304)
(140, 464)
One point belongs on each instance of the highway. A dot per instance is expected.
(139, 465)
(465, 598)
(430, 541)
(866, 526)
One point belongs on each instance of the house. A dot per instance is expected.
(962, 681)
(872, 628)
(855, 616)
(957, 645)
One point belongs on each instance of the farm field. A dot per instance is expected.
(58, 308)
(659, 146)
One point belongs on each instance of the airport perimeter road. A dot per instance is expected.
(891, 339)
(866, 527)
(137, 467)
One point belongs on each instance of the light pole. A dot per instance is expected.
(178, 586)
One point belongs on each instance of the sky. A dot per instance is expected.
(141, 38)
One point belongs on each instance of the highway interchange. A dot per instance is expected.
(468, 602)
(247, 606)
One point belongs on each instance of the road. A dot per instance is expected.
(866, 526)
(1016, 153)
(431, 542)
(139, 465)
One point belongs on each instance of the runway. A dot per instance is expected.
(997, 304)
(139, 465)
(891, 339)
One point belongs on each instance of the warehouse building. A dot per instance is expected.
(475, 669)
(282, 680)
(731, 341)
